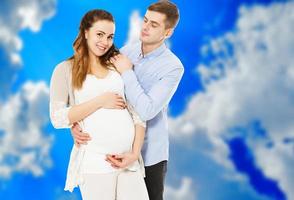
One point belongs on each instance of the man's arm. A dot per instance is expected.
(148, 104)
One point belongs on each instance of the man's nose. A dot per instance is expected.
(146, 26)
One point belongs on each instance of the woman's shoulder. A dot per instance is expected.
(64, 64)
(63, 67)
(114, 71)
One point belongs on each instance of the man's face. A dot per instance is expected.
(153, 28)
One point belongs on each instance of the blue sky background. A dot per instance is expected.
(231, 119)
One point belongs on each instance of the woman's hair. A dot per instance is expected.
(80, 59)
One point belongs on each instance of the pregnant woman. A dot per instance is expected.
(86, 89)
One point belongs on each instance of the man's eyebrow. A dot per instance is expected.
(153, 22)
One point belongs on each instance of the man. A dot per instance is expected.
(151, 73)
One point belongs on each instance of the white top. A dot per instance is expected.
(112, 130)
(62, 97)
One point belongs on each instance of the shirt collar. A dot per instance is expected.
(153, 53)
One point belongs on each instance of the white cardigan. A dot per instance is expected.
(61, 99)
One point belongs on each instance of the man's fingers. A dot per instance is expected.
(80, 134)
(112, 60)
(77, 144)
(76, 127)
(82, 141)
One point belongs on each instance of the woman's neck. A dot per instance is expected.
(95, 64)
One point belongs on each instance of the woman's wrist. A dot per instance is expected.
(136, 154)
(99, 101)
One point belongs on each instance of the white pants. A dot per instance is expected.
(122, 185)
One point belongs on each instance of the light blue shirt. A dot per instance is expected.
(149, 88)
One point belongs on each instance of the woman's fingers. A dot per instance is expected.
(121, 105)
(114, 162)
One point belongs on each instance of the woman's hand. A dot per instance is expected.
(111, 100)
(122, 160)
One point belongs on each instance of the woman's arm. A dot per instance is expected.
(126, 159)
(138, 140)
(59, 97)
(108, 100)
(140, 127)
(62, 115)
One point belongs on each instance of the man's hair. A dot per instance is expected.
(169, 9)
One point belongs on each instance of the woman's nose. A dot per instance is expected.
(104, 40)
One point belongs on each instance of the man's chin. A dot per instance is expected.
(143, 39)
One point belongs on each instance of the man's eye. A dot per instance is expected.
(99, 34)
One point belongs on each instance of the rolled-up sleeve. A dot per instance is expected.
(59, 98)
(136, 118)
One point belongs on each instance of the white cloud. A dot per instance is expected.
(61, 195)
(184, 191)
(23, 146)
(19, 15)
(135, 27)
(250, 78)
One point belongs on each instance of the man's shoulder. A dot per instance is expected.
(170, 59)
(130, 47)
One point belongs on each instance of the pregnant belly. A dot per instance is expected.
(111, 130)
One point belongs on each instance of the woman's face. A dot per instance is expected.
(100, 37)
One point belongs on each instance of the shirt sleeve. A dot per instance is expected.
(149, 104)
(124, 50)
(59, 98)
(137, 120)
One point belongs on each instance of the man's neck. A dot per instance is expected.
(147, 48)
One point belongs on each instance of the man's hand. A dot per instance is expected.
(78, 136)
(121, 63)
(122, 160)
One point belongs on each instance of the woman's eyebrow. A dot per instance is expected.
(104, 32)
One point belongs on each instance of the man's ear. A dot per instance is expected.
(169, 33)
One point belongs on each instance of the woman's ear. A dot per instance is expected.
(86, 34)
